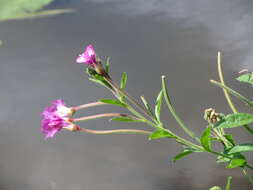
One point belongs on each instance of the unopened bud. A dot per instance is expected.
(211, 116)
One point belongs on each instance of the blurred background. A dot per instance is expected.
(145, 38)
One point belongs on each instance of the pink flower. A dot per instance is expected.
(55, 118)
(87, 57)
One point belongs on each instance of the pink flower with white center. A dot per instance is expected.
(87, 57)
(55, 118)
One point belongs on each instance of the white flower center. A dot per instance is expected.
(63, 111)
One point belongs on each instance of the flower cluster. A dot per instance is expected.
(56, 117)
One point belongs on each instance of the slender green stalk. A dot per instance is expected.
(227, 96)
(228, 183)
(230, 103)
(234, 93)
(173, 112)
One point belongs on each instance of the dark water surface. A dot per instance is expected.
(145, 38)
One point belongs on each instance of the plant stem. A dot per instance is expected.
(116, 131)
(244, 171)
(234, 93)
(230, 103)
(132, 100)
(92, 104)
(227, 96)
(173, 112)
(228, 183)
(98, 116)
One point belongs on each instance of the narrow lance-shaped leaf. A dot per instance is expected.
(158, 105)
(235, 120)
(113, 102)
(147, 106)
(123, 80)
(205, 139)
(246, 78)
(103, 83)
(160, 133)
(221, 159)
(182, 154)
(107, 64)
(246, 147)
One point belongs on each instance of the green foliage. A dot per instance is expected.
(246, 78)
(113, 102)
(91, 71)
(148, 107)
(107, 64)
(22, 9)
(246, 147)
(236, 162)
(235, 120)
(125, 119)
(184, 153)
(97, 78)
(158, 105)
(205, 139)
(161, 133)
(123, 81)
(230, 138)
(221, 159)
(227, 186)
(101, 82)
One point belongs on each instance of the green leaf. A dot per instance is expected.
(99, 79)
(221, 159)
(123, 81)
(158, 105)
(235, 120)
(125, 119)
(182, 155)
(246, 78)
(147, 106)
(160, 133)
(91, 71)
(107, 64)
(230, 138)
(113, 102)
(103, 83)
(22, 9)
(246, 147)
(236, 162)
(215, 188)
(205, 139)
